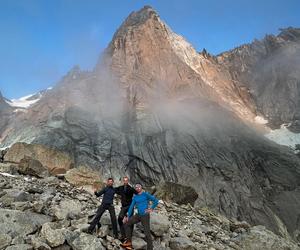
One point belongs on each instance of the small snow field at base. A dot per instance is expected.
(283, 136)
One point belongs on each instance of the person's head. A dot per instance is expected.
(125, 180)
(138, 187)
(110, 181)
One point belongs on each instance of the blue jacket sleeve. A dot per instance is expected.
(130, 210)
(153, 199)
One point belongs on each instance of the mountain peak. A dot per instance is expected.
(290, 33)
(141, 16)
(136, 19)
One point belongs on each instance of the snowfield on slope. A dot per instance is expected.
(283, 136)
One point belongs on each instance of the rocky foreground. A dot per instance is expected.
(51, 213)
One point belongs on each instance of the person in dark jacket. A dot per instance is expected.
(126, 192)
(107, 204)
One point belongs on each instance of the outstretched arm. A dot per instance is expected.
(99, 193)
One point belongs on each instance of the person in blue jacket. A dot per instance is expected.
(141, 200)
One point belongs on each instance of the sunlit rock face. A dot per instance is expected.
(155, 109)
(270, 69)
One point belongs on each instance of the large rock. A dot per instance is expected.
(8, 168)
(138, 243)
(86, 242)
(39, 244)
(178, 193)
(5, 240)
(16, 195)
(20, 247)
(16, 223)
(182, 243)
(54, 237)
(159, 224)
(56, 161)
(67, 208)
(261, 238)
(32, 167)
(84, 176)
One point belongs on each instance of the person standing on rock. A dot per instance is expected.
(141, 201)
(126, 192)
(107, 204)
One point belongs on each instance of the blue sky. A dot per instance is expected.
(41, 40)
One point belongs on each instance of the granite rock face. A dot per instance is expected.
(269, 69)
(6, 112)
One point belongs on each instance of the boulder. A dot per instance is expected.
(16, 223)
(103, 231)
(29, 166)
(170, 191)
(67, 207)
(54, 160)
(138, 243)
(8, 168)
(84, 176)
(159, 224)
(20, 247)
(15, 195)
(39, 244)
(182, 243)
(5, 240)
(261, 238)
(86, 242)
(54, 237)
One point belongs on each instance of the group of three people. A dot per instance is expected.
(130, 198)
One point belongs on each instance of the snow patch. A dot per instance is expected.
(7, 174)
(283, 136)
(3, 148)
(22, 102)
(19, 110)
(260, 120)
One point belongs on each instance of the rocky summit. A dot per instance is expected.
(155, 109)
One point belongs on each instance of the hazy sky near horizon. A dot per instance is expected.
(41, 40)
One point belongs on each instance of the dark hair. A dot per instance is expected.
(110, 179)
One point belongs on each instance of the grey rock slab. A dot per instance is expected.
(16, 223)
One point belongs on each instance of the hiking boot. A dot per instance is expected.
(126, 244)
(122, 239)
